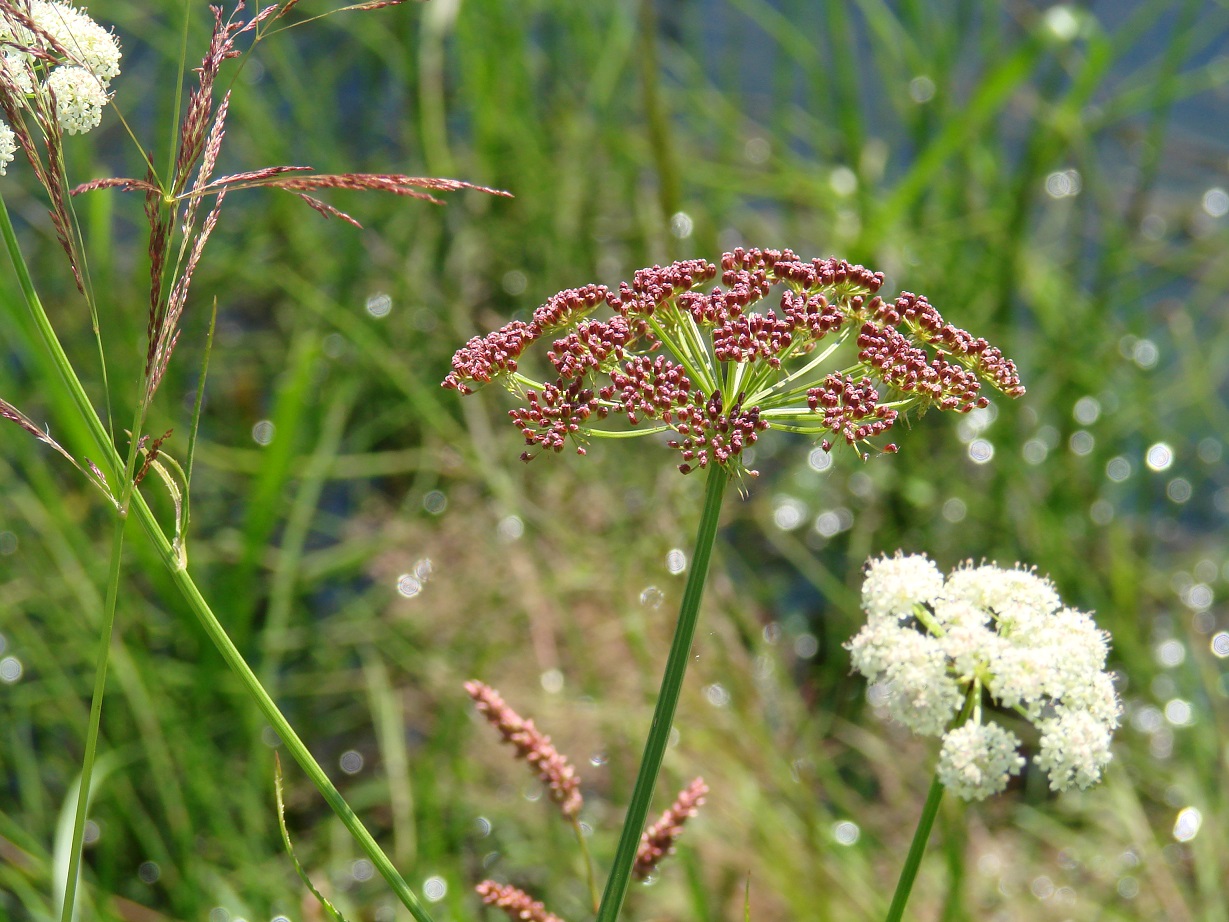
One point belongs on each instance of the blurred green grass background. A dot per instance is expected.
(1050, 177)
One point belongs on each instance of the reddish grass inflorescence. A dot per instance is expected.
(671, 350)
(515, 902)
(658, 840)
(532, 745)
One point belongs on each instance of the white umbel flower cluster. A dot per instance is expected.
(940, 646)
(76, 63)
(977, 760)
(88, 44)
(79, 98)
(8, 147)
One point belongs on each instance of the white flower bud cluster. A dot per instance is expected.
(75, 61)
(937, 645)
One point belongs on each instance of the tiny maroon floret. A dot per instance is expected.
(532, 745)
(687, 349)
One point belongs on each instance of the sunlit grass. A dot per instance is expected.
(798, 125)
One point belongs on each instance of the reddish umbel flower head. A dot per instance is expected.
(532, 745)
(515, 902)
(658, 840)
(674, 351)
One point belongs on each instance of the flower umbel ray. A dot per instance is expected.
(681, 348)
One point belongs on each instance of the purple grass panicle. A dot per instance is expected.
(680, 350)
(174, 202)
(659, 839)
(533, 746)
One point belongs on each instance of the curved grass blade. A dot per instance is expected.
(332, 910)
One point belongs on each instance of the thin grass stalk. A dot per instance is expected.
(173, 147)
(913, 861)
(590, 875)
(79, 397)
(667, 699)
(295, 746)
(110, 458)
(68, 908)
(660, 143)
(68, 904)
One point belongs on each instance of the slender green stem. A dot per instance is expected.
(172, 149)
(85, 408)
(111, 461)
(913, 860)
(590, 875)
(182, 540)
(281, 726)
(68, 907)
(669, 191)
(667, 699)
(68, 904)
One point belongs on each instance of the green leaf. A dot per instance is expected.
(281, 822)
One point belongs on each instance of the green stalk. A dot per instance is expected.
(590, 876)
(114, 464)
(669, 189)
(913, 861)
(667, 700)
(85, 408)
(111, 458)
(281, 726)
(68, 907)
(68, 904)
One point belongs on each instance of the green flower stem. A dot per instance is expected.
(590, 875)
(667, 700)
(913, 860)
(114, 464)
(281, 726)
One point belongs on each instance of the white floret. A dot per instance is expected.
(1019, 677)
(1080, 650)
(977, 760)
(1097, 697)
(894, 585)
(1075, 747)
(872, 649)
(86, 42)
(18, 72)
(8, 146)
(968, 638)
(1017, 598)
(922, 694)
(79, 98)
